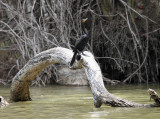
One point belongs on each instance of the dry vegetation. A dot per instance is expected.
(125, 35)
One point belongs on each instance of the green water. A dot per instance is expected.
(68, 102)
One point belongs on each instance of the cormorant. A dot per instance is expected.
(80, 43)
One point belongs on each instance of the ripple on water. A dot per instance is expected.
(62, 102)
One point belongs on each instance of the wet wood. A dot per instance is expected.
(21, 82)
(153, 95)
(3, 102)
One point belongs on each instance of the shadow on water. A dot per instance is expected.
(69, 102)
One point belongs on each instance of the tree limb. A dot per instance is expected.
(21, 82)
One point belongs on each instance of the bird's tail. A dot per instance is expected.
(73, 58)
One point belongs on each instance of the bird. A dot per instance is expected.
(80, 43)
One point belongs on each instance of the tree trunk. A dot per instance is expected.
(21, 82)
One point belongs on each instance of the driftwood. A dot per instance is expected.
(21, 82)
(3, 102)
(153, 95)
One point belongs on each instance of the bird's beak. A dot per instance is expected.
(84, 20)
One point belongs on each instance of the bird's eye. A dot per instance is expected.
(0, 99)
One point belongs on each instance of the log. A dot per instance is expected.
(153, 95)
(22, 80)
(3, 102)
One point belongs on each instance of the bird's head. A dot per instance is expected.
(84, 20)
(85, 25)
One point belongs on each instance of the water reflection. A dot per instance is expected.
(62, 102)
(98, 114)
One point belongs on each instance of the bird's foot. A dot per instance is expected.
(79, 52)
(84, 54)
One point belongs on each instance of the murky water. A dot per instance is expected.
(68, 102)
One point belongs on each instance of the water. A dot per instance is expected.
(69, 102)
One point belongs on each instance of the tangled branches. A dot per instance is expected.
(123, 38)
(128, 47)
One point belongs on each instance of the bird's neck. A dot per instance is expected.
(88, 32)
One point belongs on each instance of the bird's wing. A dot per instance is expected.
(79, 39)
(79, 43)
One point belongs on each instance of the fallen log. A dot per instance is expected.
(22, 80)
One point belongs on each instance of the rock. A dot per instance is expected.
(3, 102)
(66, 76)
